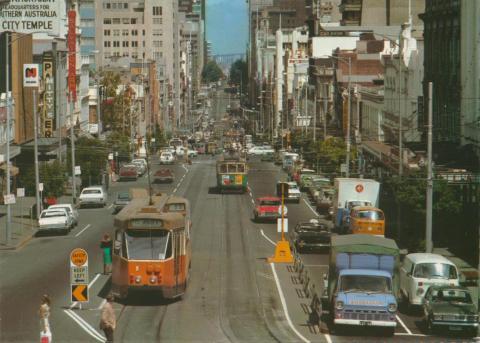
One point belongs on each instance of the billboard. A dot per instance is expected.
(72, 47)
(30, 75)
(27, 16)
(48, 96)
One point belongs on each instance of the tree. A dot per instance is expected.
(119, 143)
(239, 73)
(52, 175)
(91, 155)
(211, 72)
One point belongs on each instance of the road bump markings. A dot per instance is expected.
(85, 228)
(285, 309)
(85, 326)
(403, 324)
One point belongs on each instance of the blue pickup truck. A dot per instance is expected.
(362, 285)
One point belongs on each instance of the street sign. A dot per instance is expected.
(40, 187)
(110, 156)
(9, 199)
(79, 293)
(279, 225)
(31, 75)
(78, 171)
(79, 275)
(285, 210)
(20, 192)
(343, 168)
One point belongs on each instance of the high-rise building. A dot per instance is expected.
(87, 27)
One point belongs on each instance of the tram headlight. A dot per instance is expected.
(138, 279)
(153, 279)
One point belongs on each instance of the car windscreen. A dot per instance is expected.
(269, 203)
(91, 191)
(365, 283)
(371, 215)
(452, 295)
(60, 208)
(435, 271)
(147, 244)
(123, 196)
(50, 214)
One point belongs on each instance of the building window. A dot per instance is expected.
(143, 43)
(106, 55)
(157, 43)
(134, 33)
(126, 21)
(157, 10)
(157, 55)
(125, 43)
(143, 32)
(116, 44)
(124, 32)
(133, 21)
(157, 32)
(107, 21)
(106, 44)
(134, 44)
(125, 5)
(157, 21)
(106, 32)
(116, 54)
(106, 5)
(116, 32)
(134, 54)
(116, 21)
(125, 54)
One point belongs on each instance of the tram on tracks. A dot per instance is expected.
(152, 247)
(232, 173)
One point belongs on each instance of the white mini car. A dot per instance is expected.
(167, 158)
(55, 220)
(93, 196)
(70, 210)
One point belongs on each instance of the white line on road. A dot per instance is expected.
(109, 207)
(253, 202)
(186, 169)
(403, 324)
(86, 227)
(267, 238)
(85, 326)
(101, 304)
(310, 207)
(284, 305)
(175, 189)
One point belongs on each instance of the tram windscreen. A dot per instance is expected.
(147, 244)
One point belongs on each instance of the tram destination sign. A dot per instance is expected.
(30, 16)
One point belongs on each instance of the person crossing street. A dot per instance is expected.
(108, 320)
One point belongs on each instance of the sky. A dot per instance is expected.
(227, 26)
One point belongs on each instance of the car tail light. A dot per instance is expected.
(420, 284)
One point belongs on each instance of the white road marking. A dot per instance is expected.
(86, 227)
(403, 324)
(267, 238)
(310, 207)
(85, 326)
(101, 304)
(175, 190)
(89, 285)
(411, 334)
(284, 305)
(109, 207)
(186, 169)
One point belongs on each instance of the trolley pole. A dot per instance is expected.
(428, 233)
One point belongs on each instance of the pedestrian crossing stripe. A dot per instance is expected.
(80, 293)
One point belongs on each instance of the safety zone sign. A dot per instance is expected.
(79, 275)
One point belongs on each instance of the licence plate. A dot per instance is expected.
(365, 323)
(454, 328)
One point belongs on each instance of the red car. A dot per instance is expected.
(163, 176)
(128, 172)
(266, 208)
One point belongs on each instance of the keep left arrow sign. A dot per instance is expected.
(79, 293)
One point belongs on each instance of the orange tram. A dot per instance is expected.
(152, 248)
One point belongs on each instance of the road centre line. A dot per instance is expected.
(86, 227)
(284, 305)
(310, 207)
(186, 169)
(109, 207)
(403, 324)
(85, 326)
(101, 304)
(267, 238)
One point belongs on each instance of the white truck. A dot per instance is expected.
(350, 192)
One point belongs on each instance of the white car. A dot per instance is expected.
(192, 153)
(167, 158)
(95, 195)
(141, 164)
(70, 210)
(55, 220)
(422, 270)
(294, 193)
(260, 150)
(180, 151)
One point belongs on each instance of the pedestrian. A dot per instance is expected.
(44, 314)
(108, 320)
(106, 245)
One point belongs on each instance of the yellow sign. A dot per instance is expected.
(238, 179)
(78, 257)
(79, 293)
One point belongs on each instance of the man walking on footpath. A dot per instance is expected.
(106, 245)
(108, 320)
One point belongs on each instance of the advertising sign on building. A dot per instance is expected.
(48, 96)
(72, 47)
(30, 75)
(27, 16)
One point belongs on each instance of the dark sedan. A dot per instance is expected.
(163, 176)
(450, 308)
(311, 236)
(121, 201)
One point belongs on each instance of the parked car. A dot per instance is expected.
(166, 158)
(163, 176)
(93, 196)
(70, 210)
(451, 308)
(128, 172)
(122, 200)
(192, 153)
(260, 150)
(423, 270)
(141, 164)
(311, 236)
(180, 151)
(55, 220)
(293, 193)
(267, 208)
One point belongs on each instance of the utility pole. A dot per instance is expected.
(8, 232)
(325, 109)
(35, 152)
(315, 117)
(72, 144)
(347, 172)
(428, 233)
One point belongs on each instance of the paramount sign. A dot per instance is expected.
(27, 16)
